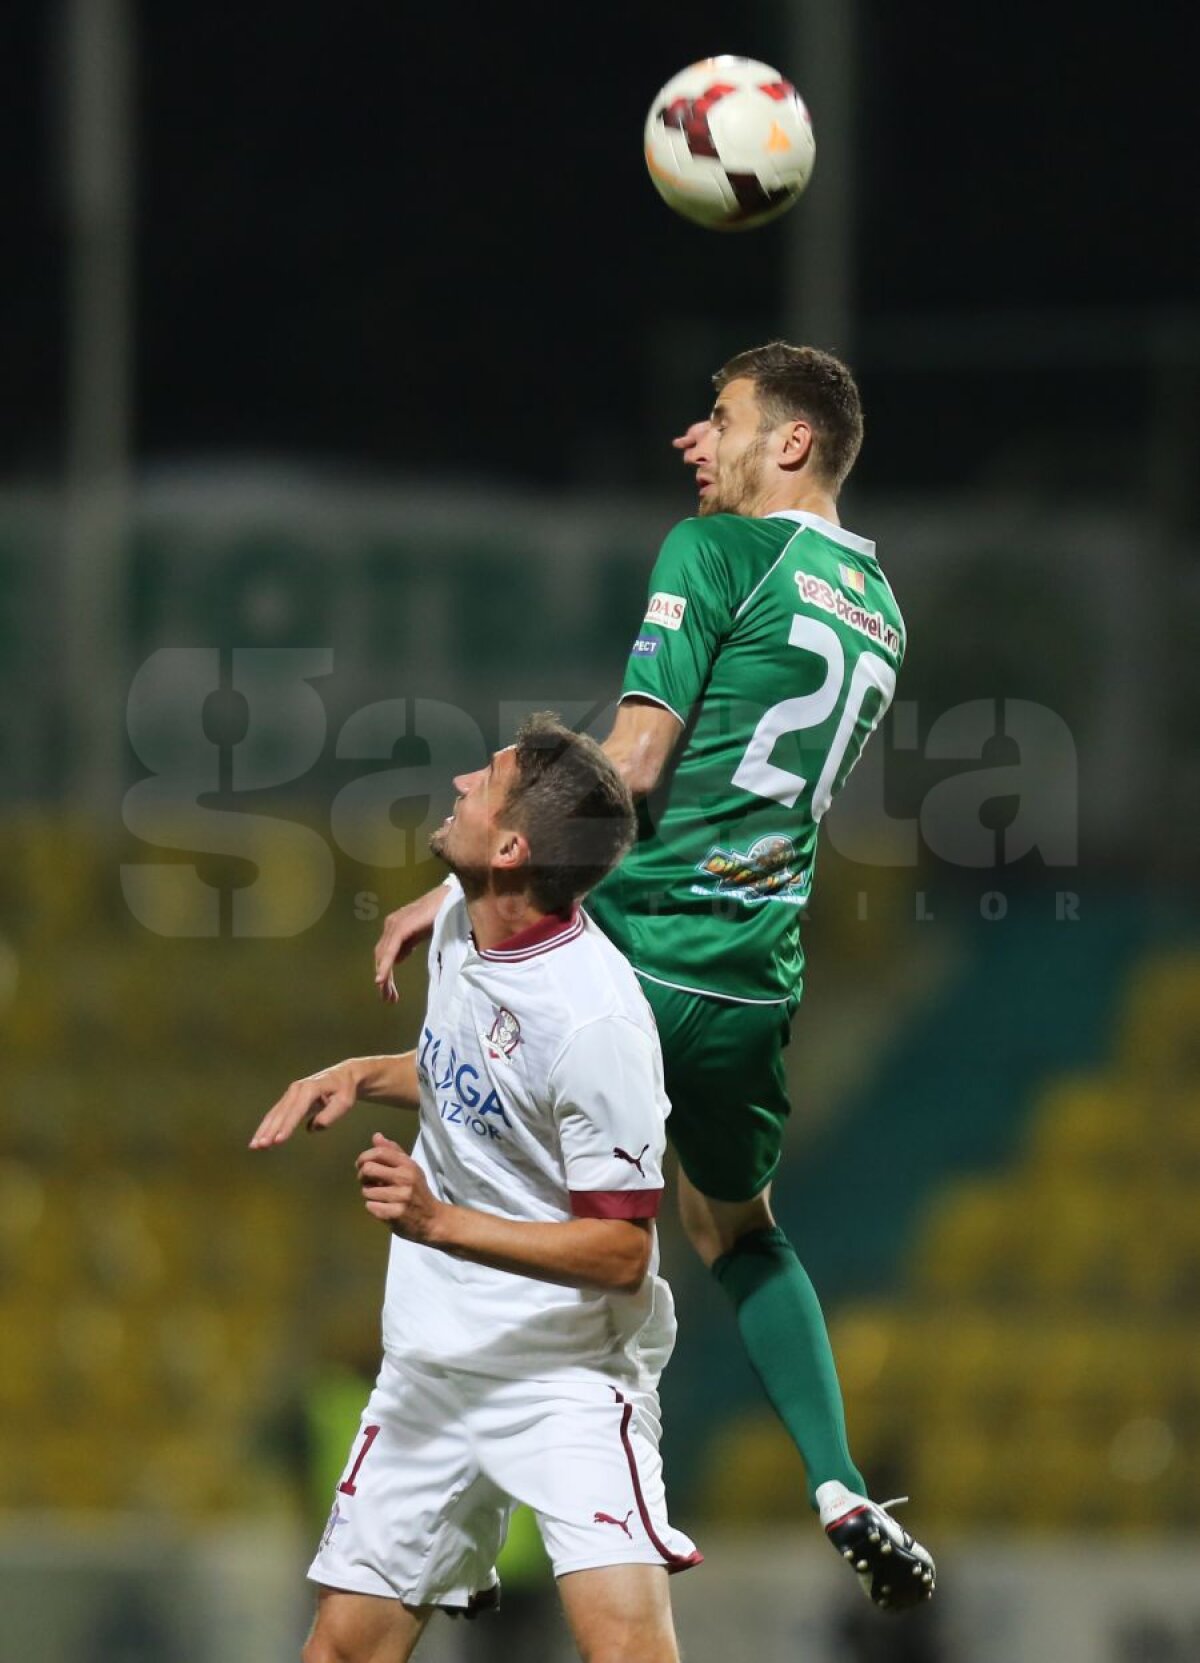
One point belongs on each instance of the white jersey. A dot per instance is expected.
(541, 1099)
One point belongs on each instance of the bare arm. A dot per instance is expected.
(642, 738)
(403, 930)
(320, 1099)
(610, 1253)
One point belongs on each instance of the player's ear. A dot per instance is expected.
(511, 851)
(797, 445)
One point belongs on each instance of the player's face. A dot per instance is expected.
(732, 459)
(466, 839)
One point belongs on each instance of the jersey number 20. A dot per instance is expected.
(757, 773)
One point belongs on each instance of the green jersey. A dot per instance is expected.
(776, 642)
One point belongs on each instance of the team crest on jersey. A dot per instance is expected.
(766, 872)
(504, 1035)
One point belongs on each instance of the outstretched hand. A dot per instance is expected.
(316, 1101)
(396, 1190)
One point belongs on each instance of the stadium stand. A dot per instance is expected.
(1039, 1364)
(167, 1299)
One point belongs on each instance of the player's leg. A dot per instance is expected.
(781, 1324)
(584, 1455)
(784, 1333)
(414, 1523)
(724, 1068)
(620, 1614)
(729, 1107)
(363, 1628)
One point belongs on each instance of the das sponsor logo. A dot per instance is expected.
(666, 610)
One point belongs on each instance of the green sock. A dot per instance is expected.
(783, 1331)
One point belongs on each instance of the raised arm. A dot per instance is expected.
(403, 930)
(321, 1099)
(643, 736)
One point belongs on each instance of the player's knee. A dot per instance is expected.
(705, 1239)
(633, 1646)
(324, 1645)
(715, 1228)
(639, 1652)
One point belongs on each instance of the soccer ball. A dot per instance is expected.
(729, 143)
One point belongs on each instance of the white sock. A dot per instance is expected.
(834, 1500)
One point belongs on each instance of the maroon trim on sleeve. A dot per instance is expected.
(615, 1203)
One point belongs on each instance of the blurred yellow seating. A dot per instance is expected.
(974, 1239)
(100, 1365)
(118, 1250)
(45, 1105)
(1161, 1031)
(1086, 1122)
(970, 1363)
(52, 872)
(24, 1360)
(37, 1237)
(219, 1359)
(1176, 1125)
(1058, 1474)
(1075, 1230)
(251, 1240)
(753, 1475)
(20, 1447)
(79, 1470)
(868, 1342)
(1152, 1259)
(960, 1475)
(22, 1216)
(213, 1471)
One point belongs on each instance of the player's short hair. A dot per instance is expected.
(794, 381)
(573, 808)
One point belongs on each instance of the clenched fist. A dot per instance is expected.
(396, 1190)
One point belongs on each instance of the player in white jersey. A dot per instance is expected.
(525, 1325)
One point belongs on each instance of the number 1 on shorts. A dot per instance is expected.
(348, 1487)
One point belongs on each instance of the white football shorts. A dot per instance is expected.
(441, 1460)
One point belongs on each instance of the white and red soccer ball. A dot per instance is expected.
(729, 143)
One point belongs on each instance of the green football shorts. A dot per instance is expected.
(724, 1076)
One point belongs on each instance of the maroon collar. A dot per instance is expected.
(551, 931)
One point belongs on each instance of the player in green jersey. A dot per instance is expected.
(767, 657)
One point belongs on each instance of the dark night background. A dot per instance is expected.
(423, 237)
